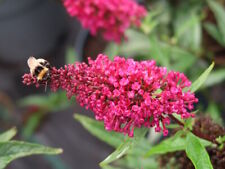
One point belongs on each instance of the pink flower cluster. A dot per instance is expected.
(125, 93)
(110, 17)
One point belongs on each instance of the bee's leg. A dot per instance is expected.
(46, 84)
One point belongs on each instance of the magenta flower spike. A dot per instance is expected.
(123, 93)
(109, 17)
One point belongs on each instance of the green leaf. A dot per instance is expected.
(214, 112)
(52, 102)
(157, 53)
(136, 45)
(220, 139)
(197, 153)
(219, 13)
(215, 77)
(202, 78)
(138, 162)
(38, 100)
(214, 32)
(110, 167)
(15, 149)
(187, 25)
(149, 23)
(124, 147)
(8, 135)
(112, 50)
(188, 123)
(32, 124)
(71, 56)
(180, 60)
(97, 129)
(112, 138)
(174, 143)
(118, 153)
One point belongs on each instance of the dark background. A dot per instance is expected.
(42, 28)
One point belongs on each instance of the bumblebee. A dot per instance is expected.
(39, 68)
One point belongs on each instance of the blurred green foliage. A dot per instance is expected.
(178, 35)
(11, 150)
(174, 33)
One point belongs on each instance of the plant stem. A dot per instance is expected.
(176, 120)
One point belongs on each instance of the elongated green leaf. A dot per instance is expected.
(97, 129)
(112, 50)
(214, 112)
(31, 125)
(110, 167)
(171, 144)
(180, 59)
(138, 162)
(197, 153)
(52, 102)
(202, 78)
(157, 53)
(15, 149)
(187, 26)
(214, 32)
(8, 135)
(219, 13)
(215, 77)
(118, 153)
(124, 147)
(174, 143)
(112, 138)
(137, 44)
(39, 100)
(71, 56)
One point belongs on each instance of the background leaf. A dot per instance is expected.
(157, 53)
(202, 78)
(137, 44)
(112, 138)
(180, 60)
(214, 113)
(52, 102)
(174, 143)
(112, 50)
(97, 129)
(136, 162)
(125, 147)
(8, 135)
(15, 149)
(214, 32)
(71, 56)
(219, 13)
(197, 153)
(215, 77)
(187, 26)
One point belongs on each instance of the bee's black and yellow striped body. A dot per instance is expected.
(39, 68)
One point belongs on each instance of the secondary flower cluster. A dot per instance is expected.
(110, 17)
(125, 93)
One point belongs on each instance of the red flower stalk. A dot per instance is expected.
(124, 93)
(110, 17)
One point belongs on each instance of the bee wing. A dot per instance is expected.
(32, 63)
(40, 60)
